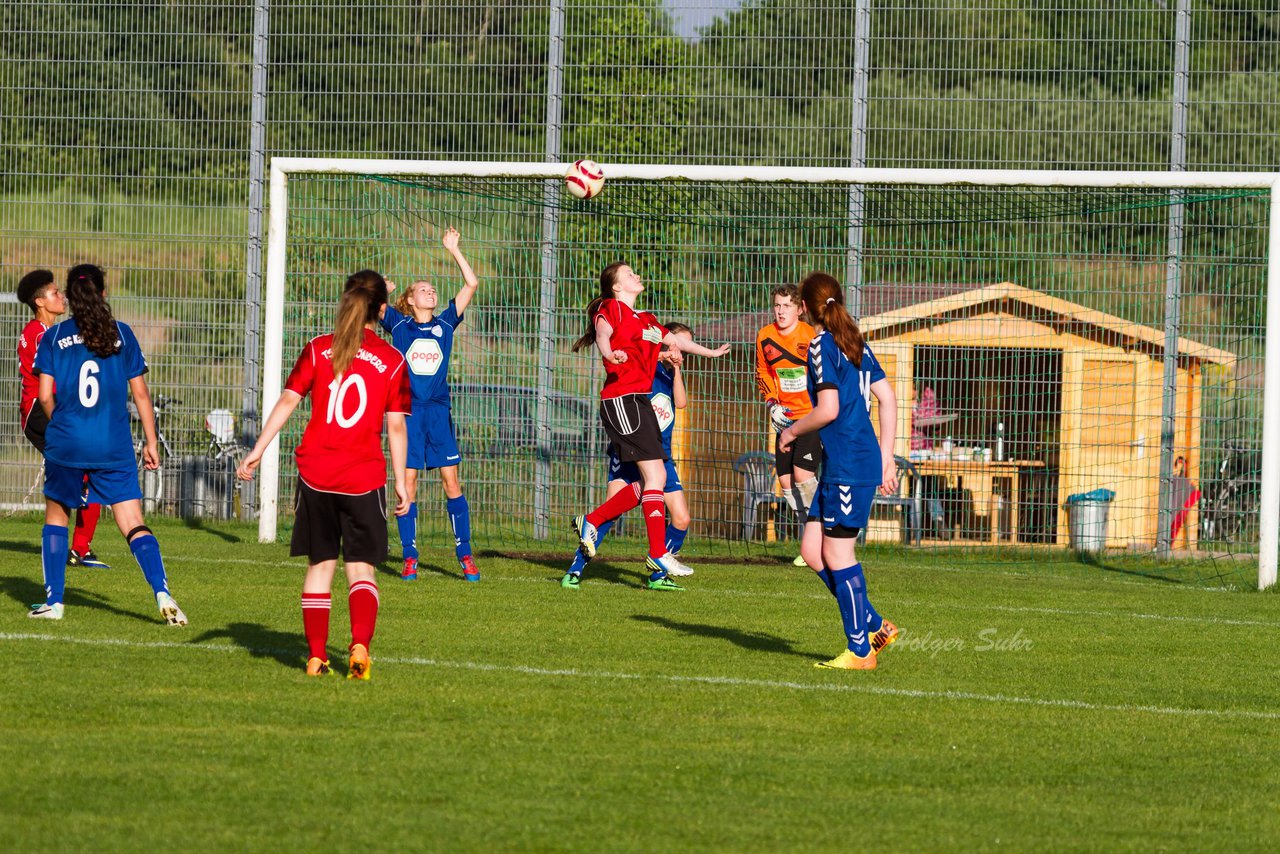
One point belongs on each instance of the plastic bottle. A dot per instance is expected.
(1000, 442)
(946, 447)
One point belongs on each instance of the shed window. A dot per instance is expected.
(1108, 417)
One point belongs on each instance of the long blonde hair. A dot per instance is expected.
(824, 299)
(365, 293)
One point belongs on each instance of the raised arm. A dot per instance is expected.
(382, 309)
(687, 345)
(469, 280)
(678, 396)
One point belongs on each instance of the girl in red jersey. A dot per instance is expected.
(354, 379)
(41, 294)
(629, 343)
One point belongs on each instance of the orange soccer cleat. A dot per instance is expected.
(850, 660)
(358, 663)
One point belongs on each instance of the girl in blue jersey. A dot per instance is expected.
(843, 375)
(94, 363)
(425, 337)
(667, 396)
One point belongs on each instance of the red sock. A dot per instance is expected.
(86, 524)
(315, 623)
(363, 602)
(625, 500)
(655, 522)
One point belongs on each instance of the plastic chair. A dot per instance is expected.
(758, 479)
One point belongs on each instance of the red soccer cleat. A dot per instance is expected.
(469, 570)
(410, 571)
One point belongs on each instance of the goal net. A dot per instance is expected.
(1078, 357)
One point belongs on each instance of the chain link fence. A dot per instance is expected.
(136, 135)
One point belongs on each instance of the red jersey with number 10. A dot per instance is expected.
(341, 449)
(639, 335)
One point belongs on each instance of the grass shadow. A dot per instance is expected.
(27, 592)
(597, 570)
(26, 547)
(197, 524)
(614, 575)
(287, 648)
(1150, 573)
(754, 641)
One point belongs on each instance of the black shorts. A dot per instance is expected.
(328, 522)
(633, 428)
(37, 423)
(805, 453)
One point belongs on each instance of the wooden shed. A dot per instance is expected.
(1043, 398)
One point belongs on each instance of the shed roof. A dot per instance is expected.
(893, 309)
(1034, 305)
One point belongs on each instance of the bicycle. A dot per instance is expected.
(1230, 504)
(153, 480)
(222, 458)
(199, 486)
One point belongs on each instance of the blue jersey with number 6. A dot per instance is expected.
(90, 424)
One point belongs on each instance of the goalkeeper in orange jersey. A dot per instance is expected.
(782, 352)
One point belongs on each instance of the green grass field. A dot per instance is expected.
(1046, 703)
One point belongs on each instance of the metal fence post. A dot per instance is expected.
(858, 155)
(550, 274)
(253, 253)
(1173, 280)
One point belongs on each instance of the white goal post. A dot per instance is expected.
(283, 167)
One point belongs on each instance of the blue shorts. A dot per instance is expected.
(630, 473)
(66, 484)
(839, 506)
(432, 443)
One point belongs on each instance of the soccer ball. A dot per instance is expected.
(584, 179)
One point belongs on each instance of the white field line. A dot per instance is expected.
(1205, 620)
(728, 681)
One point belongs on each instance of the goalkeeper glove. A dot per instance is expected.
(780, 416)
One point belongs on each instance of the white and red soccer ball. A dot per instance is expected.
(584, 179)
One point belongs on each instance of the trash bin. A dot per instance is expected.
(1087, 520)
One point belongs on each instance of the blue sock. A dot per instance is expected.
(824, 575)
(460, 519)
(675, 538)
(851, 595)
(874, 620)
(580, 560)
(408, 527)
(146, 551)
(53, 554)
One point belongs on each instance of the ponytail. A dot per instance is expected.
(86, 284)
(607, 277)
(824, 299)
(364, 295)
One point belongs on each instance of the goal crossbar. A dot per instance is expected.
(283, 167)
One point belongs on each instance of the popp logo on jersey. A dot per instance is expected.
(663, 408)
(424, 357)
